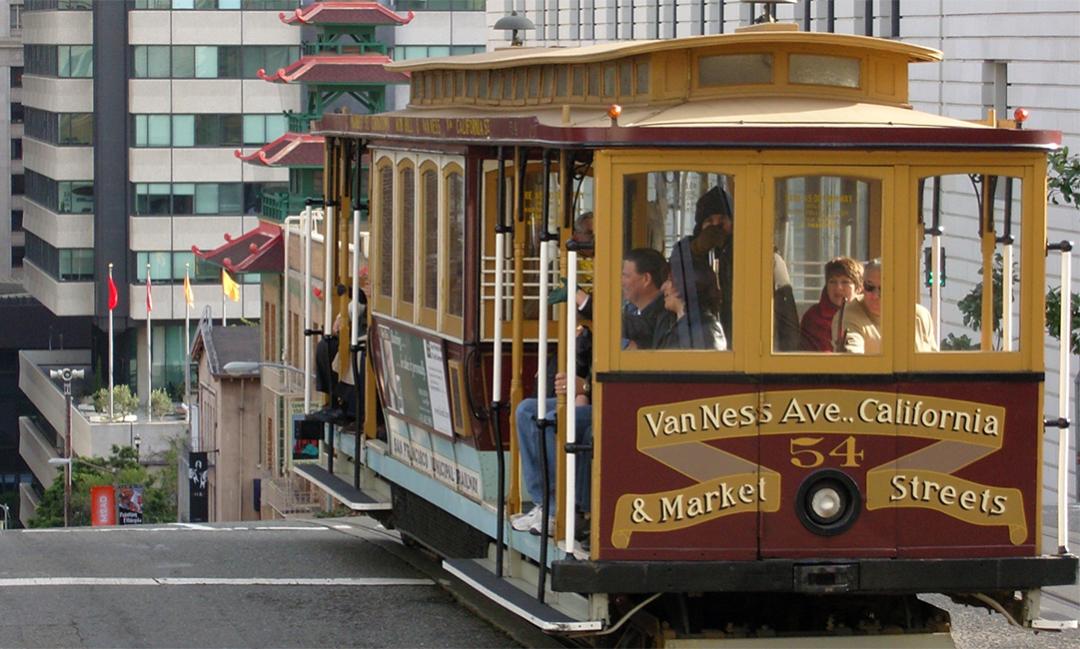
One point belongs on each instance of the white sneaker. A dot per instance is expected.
(523, 522)
(534, 529)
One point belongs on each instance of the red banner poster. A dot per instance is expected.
(102, 506)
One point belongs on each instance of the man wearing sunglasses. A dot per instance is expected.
(857, 326)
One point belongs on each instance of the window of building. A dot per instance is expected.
(18, 184)
(76, 128)
(58, 5)
(16, 148)
(16, 76)
(75, 61)
(156, 199)
(440, 5)
(270, 58)
(17, 113)
(62, 264)
(62, 197)
(16, 220)
(16, 16)
(18, 253)
(260, 129)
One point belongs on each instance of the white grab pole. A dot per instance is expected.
(307, 309)
(285, 292)
(571, 396)
(1063, 400)
(1006, 297)
(497, 343)
(542, 368)
(354, 268)
(329, 243)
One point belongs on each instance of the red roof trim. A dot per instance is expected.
(259, 250)
(289, 149)
(296, 70)
(309, 15)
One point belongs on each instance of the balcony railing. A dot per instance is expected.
(348, 47)
(291, 499)
(301, 122)
(278, 205)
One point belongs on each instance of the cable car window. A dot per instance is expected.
(546, 79)
(507, 84)
(735, 69)
(594, 80)
(609, 80)
(560, 80)
(579, 81)
(429, 183)
(534, 83)
(642, 77)
(408, 231)
(386, 230)
(482, 84)
(459, 84)
(677, 269)
(519, 84)
(826, 267)
(496, 85)
(626, 79)
(821, 70)
(969, 265)
(455, 212)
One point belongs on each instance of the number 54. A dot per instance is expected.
(805, 456)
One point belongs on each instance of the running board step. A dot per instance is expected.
(515, 600)
(340, 490)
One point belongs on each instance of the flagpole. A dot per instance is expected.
(149, 350)
(224, 298)
(187, 341)
(110, 368)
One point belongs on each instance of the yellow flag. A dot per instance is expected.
(229, 286)
(189, 296)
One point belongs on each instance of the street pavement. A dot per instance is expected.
(332, 583)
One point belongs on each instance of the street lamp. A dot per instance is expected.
(6, 513)
(67, 375)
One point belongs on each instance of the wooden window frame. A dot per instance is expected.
(450, 324)
(382, 303)
(403, 310)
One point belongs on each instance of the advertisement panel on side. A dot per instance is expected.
(103, 505)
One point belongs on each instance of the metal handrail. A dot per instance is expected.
(1065, 355)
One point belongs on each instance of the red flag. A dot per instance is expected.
(114, 297)
(103, 506)
(149, 296)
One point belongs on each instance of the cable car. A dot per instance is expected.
(804, 323)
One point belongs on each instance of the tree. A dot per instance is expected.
(120, 468)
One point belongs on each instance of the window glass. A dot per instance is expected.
(229, 61)
(183, 62)
(276, 126)
(76, 128)
(160, 265)
(408, 232)
(954, 306)
(206, 198)
(455, 221)
(157, 61)
(734, 69)
(677, 272)
(232, 130)
(278, 57)
(206, 62)
(823, 70)
(183, 198)
(429, 182)
(386, 230)
(159, 130)
(183, 130)
(254, 129)
(207, 130)
(826, 296)
(231, 198)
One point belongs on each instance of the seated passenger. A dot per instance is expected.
(643, 272)
(856, 327)
(843, 279)
(690, 321)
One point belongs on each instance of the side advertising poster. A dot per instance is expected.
(198, 494)
(412, 372)
(130, 504)
(103, 505)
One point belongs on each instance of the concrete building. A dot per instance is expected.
(133, 113)
(12, 239)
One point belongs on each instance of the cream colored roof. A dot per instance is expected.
(518, 56)
(744, 111)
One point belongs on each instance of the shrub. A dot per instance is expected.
(161, 403)
(124, 402)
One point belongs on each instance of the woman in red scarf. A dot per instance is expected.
(843, 281)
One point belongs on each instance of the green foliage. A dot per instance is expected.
(120, 468)
(1064, 178)
(971, 304)
(161, 403)
(1053, 317)
(956, 343)
(124, 402)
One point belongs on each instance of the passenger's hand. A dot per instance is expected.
(560, 383)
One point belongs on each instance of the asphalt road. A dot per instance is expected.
(338, 583)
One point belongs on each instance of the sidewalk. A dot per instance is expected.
(1061, 600)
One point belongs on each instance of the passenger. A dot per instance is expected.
(643, 273)
(843, 280)
(690, 321)
(857, 327)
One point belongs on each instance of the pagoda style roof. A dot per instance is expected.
(337, 68)
(260, 250)
(344, 13)
(289, 150)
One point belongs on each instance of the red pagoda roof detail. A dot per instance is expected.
(337, 68)
(344, 13)
(256, 251)
(289, 150)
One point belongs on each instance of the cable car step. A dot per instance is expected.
(348, 495)
(515, 600)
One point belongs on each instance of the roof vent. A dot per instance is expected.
(769, 16)
(514, 24)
